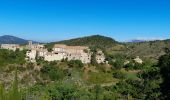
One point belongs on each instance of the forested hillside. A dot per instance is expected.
(91, 41)
(150, 49)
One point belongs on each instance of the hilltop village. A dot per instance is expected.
(85, 67)
(59, 52)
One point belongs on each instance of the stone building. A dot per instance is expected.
(61, 51)
(34, 46)
(73, 52)
(53, 56)
(138, 60)
(42, 52)
(35, 50)
(31, 55)
(100, 57)
(10, 46)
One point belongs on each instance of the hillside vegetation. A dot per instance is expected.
(91, 41)
(150, 49)
(73, 80)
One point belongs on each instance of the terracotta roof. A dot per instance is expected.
(70, 47)
(59, 46)
(77, 47)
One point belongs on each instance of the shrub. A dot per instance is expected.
(53, 72)
(118, 64)
(119, 75)
(75, 63)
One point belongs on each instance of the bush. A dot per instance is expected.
(11, 57)
(75, 63)
(118, 64)
(133, 66)
(129, 66)
(53, 72)
(119, 75)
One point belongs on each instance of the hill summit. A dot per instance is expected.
(91, 41)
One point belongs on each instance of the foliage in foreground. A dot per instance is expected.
(11, 57)
(152, 83)
(12, 94)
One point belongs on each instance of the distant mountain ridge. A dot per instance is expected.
(8, 39)
(145, 40)
(136, 41)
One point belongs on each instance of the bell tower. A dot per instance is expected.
(29, 44)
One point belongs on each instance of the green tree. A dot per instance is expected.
(118, 64)
(75, 63)
(53, 72)
(151, 83)
(164, 64)
(12, 57)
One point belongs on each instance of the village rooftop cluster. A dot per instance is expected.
(59, 52)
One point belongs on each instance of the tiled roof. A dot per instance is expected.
(70, 47)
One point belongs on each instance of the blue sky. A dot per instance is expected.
(52, 20)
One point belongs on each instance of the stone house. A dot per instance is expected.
(34, 46)
(54, 56)
(42, 52)
(61, 51)
(73, 52)
(10, 46)
(100, 57)
(31, 55)
(86, 57)
(35, 50)
(138, 60)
